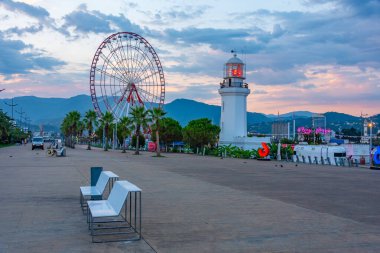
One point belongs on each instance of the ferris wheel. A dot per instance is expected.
(126, 72)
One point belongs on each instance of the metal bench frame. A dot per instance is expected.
(128, 221)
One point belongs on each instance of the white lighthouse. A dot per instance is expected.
(234, 92)
(233, 118)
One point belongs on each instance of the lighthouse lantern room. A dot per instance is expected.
(234, 94)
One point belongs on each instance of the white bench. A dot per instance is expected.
(61, 151)
(96, 192)
(104, 212)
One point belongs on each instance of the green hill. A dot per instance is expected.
(50, 112)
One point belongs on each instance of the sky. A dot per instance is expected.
(315, 55)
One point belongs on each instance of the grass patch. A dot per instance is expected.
(6, 145)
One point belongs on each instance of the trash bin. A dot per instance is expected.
(362, 160)
(95, 173)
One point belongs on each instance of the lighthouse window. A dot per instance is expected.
(236, 71)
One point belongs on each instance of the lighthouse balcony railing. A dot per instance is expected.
(223, 85)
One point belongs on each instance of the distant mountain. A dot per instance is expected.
(297, 114)
(184, 110)
(51, 111)
(46, 111)
(334, 120)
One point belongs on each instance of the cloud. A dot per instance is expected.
(332, 36)
(29, 10)
(266, 76)
(14, 59)
(84, 21)
(197, 91)
(307, 86)
(29, 29)
(259, 92)
(132, 5)
(41, 15)
(363, 7)
(250, 40)
(177, 13)
(297, 39)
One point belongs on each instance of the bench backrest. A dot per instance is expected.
(102, 182)
(119, 194)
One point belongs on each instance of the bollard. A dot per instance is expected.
(316, 160)
(328, 160)
(336, 161)
(297, 159)
(322, 160)
(309, 159)
(303, 159)
(204, 151)
(197, 151)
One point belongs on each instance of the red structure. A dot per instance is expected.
(263, 152)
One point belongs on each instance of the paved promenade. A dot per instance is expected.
(191, 204)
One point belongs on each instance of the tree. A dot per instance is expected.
(106, 122)
(201, 132)
(69, 127)
(140, 120)
(155, 116)
(125, 127)
(81, 127)
(141, 141)
(90, 122)
(5, 128)
(170, 131)
(352, 134)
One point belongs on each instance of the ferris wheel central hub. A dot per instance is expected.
(134, 95)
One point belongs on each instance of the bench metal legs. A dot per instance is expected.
(127, 223)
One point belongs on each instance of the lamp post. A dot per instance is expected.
(370, 125)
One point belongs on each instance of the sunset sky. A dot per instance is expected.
(315, 55)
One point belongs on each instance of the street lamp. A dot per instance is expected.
(370, 125)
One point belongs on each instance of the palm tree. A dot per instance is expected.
(90, 121)
(65, 126)
(70, 126)
(125, 125)
(81, 127)
(140, 119)
(156, 115)
(106, 121)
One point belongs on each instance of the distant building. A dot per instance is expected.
(280, 130)
(318, 120)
